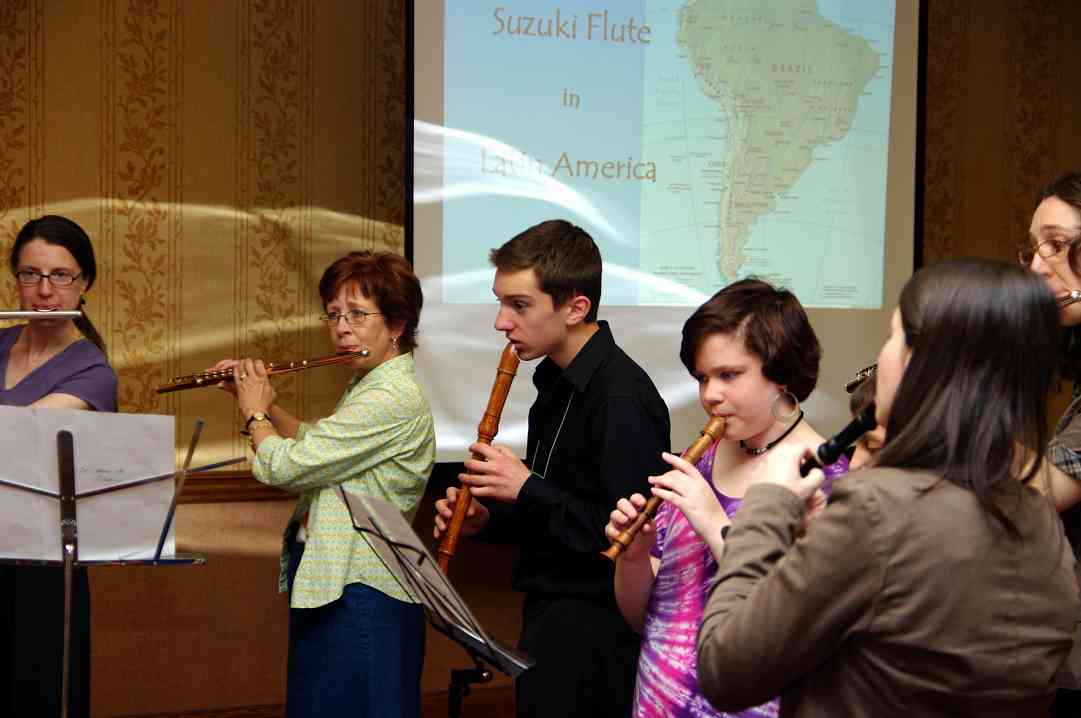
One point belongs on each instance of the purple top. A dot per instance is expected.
(80, 370)
(667, 683)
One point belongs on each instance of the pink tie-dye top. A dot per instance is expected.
(667, 684)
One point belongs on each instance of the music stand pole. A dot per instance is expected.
(181, 477)
(69, 540)
(460, 681)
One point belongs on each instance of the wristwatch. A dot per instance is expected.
(257, 416)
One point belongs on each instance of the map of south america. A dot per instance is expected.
(788, 82)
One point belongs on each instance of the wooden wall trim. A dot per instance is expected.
(271, 711)
(482, 702)
(224, 487)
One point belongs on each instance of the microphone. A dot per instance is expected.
(831, 449)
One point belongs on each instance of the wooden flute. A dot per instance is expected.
(486, 431)
(1072, 298)
(225, 376)
(712, 432)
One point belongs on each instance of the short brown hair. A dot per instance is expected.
(564, 257)
(387, 279)
(774, 326)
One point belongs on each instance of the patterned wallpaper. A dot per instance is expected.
(943, 186)
(220, 155)
(1003, 98)
(142, 213)
(20, 125)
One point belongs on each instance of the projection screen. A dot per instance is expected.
(698, 142)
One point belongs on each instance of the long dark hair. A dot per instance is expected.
(983, 337)
(62, 232)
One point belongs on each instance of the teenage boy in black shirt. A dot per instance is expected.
(596, 432)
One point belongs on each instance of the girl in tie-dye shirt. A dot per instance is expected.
(755, 357)
(667, 683)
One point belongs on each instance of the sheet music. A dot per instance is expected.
(110, 450)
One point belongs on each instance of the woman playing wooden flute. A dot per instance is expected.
(755, 357)
(935, 583)
(356, 637)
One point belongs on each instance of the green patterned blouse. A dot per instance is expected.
(380, 441)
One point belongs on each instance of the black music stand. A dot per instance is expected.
(69, 533)
(406, 556)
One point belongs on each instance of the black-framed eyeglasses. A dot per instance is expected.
(1047, 249)
(353, 316)
(59, 278)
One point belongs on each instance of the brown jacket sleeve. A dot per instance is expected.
(779, 607)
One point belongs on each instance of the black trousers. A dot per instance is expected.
(586, 660)
(32, 642)
(1067, 704)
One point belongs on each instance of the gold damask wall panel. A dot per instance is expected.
(141, 151)
(220, 153)
(21, 137)
(1003, 102)
(1031, 90)
(943, 183)
(1002, 107)
(273, 230)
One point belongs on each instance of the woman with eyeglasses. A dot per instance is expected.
(55, 363)
(1052, 253)
(60, 364)
(356, 636)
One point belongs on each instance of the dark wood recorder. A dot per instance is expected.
(486, 431)
(712, 432)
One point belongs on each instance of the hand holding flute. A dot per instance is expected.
(628, 518)
(496, 465)
(251, 384)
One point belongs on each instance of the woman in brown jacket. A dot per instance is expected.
(935, 583)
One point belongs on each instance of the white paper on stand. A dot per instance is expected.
(110, 450)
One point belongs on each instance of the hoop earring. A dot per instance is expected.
(784, 418)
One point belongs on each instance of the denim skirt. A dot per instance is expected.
(360, 655)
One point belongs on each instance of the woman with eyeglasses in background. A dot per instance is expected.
(1052, 252)
(356, 636)
(59, 364)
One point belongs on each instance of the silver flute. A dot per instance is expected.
(1071, 298)
(57, 314)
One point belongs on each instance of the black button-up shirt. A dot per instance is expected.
(596, 432)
